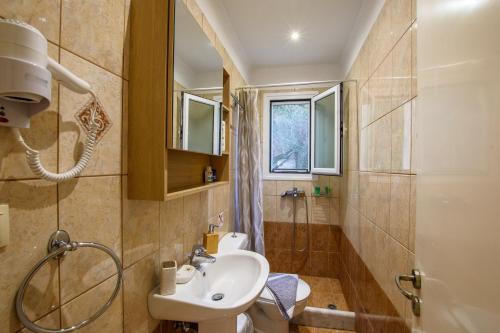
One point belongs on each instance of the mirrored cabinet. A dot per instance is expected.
(179, 102)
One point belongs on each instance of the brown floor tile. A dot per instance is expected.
(324, 291)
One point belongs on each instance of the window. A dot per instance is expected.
(290, 123)
(302, 134)
(287, 135)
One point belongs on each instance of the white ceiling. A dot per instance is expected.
(258, 33)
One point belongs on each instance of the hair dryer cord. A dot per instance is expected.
(35, 164)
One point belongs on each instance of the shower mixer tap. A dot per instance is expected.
(294, 193)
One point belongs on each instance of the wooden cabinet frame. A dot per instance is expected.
(155, 172)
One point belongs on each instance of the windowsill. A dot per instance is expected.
(274, 176)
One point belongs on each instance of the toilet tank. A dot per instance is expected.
(233, 241)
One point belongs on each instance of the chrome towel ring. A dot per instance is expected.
(58, 244)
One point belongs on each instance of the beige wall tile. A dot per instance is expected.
(269, 187)
(42, 136)
(304, 185)
(413, 212)
(400, 17)
(351, 227)
(124, 145)
(414, 10)
(172, 224)
(43, 15)
(363, 64)
(381, 89)
(95, 31)
(141, 225)
(401, 70)
(172, 230)
(353, 189)
(368, 195)
(106, 159)
(399, 225)
(401, 139)
(380, 38)
(220, 199)
(303, 212)
(126, 41)
(88, 303)
(381, 257)
(33, 218)
(375, 150)
(367, 242)
(51, 321)
(174, 251)
(414, 31)
(89, 210)
(195, 221)
(283, 185)
(335, 184)
(366, 107)
(269, 208)
(284, 209)
(335, 211)
(397, 264)
(321, 210)
(383, 199)
(382, 144)
(138, 281)
(414, 136)
(366, 150)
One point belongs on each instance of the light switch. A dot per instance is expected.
(4, 225)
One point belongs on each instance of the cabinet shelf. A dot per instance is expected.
(192, 189)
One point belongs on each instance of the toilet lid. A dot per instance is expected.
(303, 292)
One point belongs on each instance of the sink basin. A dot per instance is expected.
(238, 275)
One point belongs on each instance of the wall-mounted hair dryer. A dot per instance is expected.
(26, 72)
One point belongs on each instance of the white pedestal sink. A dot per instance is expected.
(238, 276)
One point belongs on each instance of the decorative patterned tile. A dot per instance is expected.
(101, 118)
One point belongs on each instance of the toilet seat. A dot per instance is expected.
(303, 291)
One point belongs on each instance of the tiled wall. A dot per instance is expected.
(90, 38)
(377, 205)
(318, 256)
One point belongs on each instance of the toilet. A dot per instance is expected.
(265, 315)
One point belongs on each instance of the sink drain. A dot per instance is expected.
(217, 297)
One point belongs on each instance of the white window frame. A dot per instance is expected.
(267, 98)
(337, 133)
(186, 97)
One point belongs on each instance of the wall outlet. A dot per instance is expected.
(4, 225)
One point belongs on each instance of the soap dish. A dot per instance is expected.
(185, 274)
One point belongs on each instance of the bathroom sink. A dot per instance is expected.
(217, 294)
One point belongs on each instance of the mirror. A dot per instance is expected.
(198, 80)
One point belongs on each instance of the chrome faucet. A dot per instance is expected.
(294, 193)
(200, 256)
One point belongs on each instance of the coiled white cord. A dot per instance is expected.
(33, 156)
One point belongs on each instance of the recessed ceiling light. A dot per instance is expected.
(295, 36)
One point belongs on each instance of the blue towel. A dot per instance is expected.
(283, 287)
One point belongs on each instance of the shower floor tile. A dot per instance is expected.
(324, 291)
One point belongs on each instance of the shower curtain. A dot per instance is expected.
(248, 191)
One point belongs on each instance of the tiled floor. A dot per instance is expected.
(324, 291)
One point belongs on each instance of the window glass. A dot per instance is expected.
(290, 136)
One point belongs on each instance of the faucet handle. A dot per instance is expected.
(198, 250)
